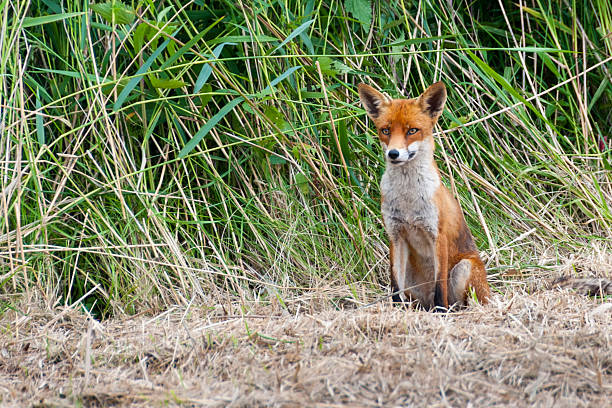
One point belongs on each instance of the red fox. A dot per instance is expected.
(433, 258)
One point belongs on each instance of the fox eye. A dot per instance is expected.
(385, 131)
(412, 131)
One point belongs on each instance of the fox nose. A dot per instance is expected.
(393, 154)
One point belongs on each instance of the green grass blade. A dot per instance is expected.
(294, 34)
(268, 89)
(38, 21)
(141, 71)
(40, 129)
(212, 122)
(207, 68)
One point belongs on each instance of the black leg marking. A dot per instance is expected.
(396, 297)
(438, 299)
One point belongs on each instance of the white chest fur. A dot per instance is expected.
(408, 192)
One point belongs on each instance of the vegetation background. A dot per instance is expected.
(190, 152)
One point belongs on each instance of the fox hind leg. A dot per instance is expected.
(469, 272)
(458, 281)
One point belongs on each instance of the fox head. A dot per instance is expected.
(405, 126)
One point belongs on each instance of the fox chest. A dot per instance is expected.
(408, 207)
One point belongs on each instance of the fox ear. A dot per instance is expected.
(373, 101)
(433, 99)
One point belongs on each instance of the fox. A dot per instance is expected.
(432, 255)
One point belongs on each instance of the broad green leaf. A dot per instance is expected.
(148, 30)
(343, 138)
(361, 10)
(247, 108)
(139, 35)
(277, 160)
(36, 21)
(295, 152)
(313, 95)
(162, 14)
(205, 95)
(123, 14)
(212, 122)
(207, 68)
(276, 117)
(109, 85)
(102, 26)
(302, 182)
(325, 63)
(461, 120)
(294, 34)
(332, 67)
(397, 48)
(166, 83)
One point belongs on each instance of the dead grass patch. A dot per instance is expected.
(528, 347)
(550, 348)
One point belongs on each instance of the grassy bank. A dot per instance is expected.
(171, 151)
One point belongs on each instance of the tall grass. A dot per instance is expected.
(175, 152)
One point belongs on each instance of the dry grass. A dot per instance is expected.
(548, 348)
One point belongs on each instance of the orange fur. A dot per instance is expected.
(433, 258)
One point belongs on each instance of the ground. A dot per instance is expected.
(548, 348)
